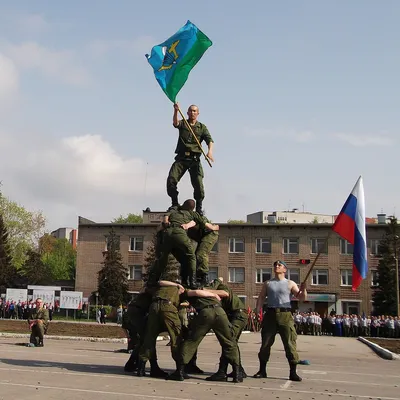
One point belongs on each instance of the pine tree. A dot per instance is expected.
(34, 270)
(8, 273)
(384, 296)
(172, 271)
(113, 277)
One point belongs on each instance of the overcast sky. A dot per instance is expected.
(301, 97)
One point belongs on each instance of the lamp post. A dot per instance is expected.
(396, 260)
(97, 303)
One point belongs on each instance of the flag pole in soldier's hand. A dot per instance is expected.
(195, 137)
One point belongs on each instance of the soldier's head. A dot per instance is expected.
(188, 205)
(193, 113)
(280, 267)
(39, 302)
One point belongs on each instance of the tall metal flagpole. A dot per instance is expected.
(195, 137)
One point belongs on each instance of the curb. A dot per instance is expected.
(87, 339)
(382, 352)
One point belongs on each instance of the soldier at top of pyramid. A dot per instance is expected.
(188, 155)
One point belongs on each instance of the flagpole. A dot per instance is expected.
(316, 258)
(195, 137)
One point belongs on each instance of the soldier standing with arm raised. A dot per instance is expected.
(278, 319)
(188, 154)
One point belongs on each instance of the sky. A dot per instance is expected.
(300, 97)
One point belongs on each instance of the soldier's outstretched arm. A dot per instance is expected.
(202, 293)
(220, 293)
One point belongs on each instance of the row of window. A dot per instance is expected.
(237, 275)
(264, 246)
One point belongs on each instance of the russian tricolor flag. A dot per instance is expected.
(350, 225)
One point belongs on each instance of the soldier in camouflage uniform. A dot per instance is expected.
(163, 313)
(38, 323)
(210, 315)
(175, 240)
(206, 239)
(237, 315)
(135, 321)
(188, 155)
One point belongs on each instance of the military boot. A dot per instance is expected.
(192, 283)
(131, 364)
(199, 207)
(244, 375)
(202, 279)
(293, 374)
(262, 372)
(192, 368)
(141, 369)
(237, 374)
(220, 375)
(178, 374)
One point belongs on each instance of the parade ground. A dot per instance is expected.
(340, 368)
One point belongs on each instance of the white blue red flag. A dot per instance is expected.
(350, 225)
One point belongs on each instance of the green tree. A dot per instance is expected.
(128, 219)
(60, 258)
(34, 269)
(384, 296)
(113, 277)
(24, 229)
(8, 273)
(172, 271)
(236, 221)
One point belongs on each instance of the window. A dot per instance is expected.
(294, 275)
(135, 272)
(263, 274)
(212, 273)
(236, 274)
(346, 277)
(136, 243)
(290, 246)
(346, 247)
(236, 245)
(263, 245)
(320, 277)
(215, 248)
(349, 307)
(375, 246)
(374, 278)
(117, 243)
(318, 245)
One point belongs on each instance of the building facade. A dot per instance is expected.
(244, 256)
(70, 234)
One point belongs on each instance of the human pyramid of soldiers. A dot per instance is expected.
(161, 305)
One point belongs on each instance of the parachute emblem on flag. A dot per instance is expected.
(170, 56)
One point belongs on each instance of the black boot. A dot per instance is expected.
(131, 364)
(244, 375)
(178, 374)
(141, 369)
(203, 280)
(157, 372)
(262, 372)
(192, 368)
(220, 375)
(237, 373)
(192, 284)
(199, 207)
(293, 374)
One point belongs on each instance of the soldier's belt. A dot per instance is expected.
(210, 306)
(279, 309)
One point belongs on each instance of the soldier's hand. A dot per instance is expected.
(215, 227)
(210, 156)
(176, 106)
(217, 297)
(303, 287)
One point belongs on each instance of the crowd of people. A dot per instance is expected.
(21, 309)
(346, 325)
